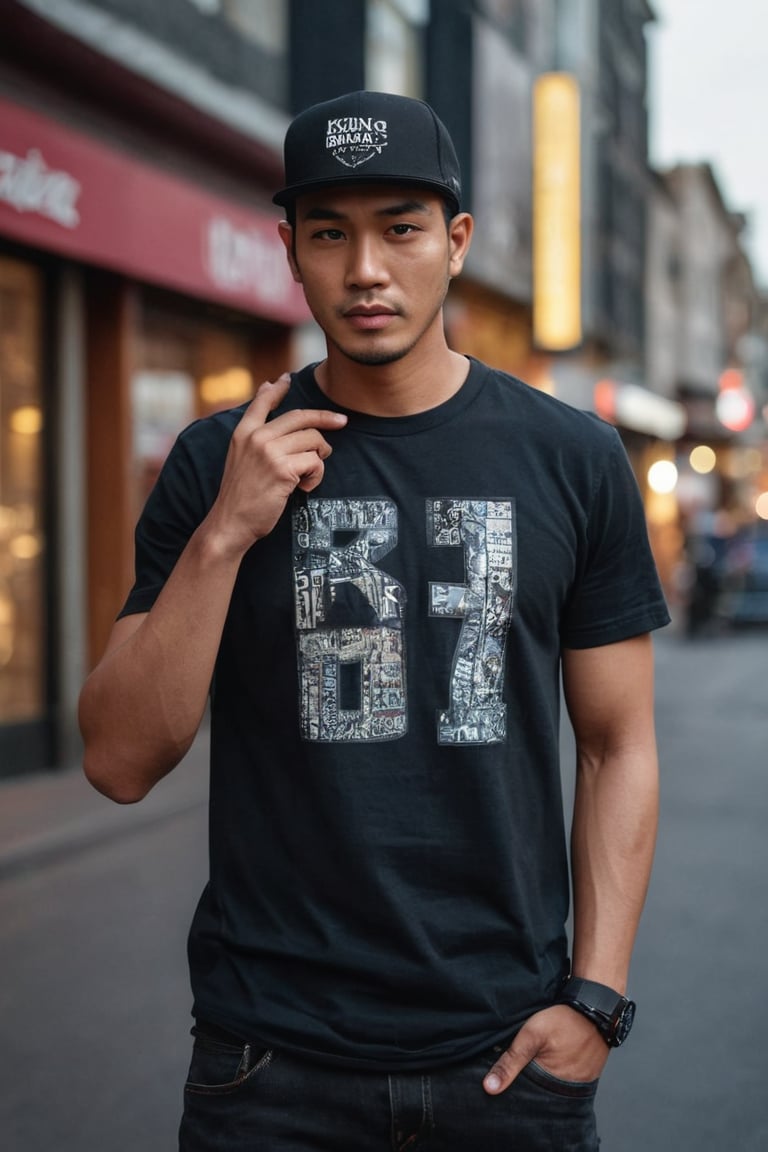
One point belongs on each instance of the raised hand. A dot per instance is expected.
(267, 460)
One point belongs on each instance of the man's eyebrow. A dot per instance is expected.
(404, 208)
(321, 213)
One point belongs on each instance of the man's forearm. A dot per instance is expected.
(141, 706)
(612, 838)
(612, 844)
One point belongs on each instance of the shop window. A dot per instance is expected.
(21, 488)
(163, 402)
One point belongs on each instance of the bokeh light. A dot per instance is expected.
(735, 409)
(703, 459)
(662, 476)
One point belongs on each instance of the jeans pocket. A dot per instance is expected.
(218, 1069)
(573, 1089)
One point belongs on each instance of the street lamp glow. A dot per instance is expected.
(662, 477)
(761, 505)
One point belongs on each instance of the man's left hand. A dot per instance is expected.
(561, 1042)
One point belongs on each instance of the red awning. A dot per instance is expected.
(65, 192)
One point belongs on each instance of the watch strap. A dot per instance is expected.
(598, 997)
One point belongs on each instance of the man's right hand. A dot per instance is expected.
(267, 460)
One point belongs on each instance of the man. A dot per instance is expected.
(378, 569)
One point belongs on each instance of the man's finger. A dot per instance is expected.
(508, 1066)
(313, 473)
(268, 396)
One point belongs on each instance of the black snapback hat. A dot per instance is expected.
(369, 137)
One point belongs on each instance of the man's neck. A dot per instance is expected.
(416, 383)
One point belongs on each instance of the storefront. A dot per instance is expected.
(132, 300)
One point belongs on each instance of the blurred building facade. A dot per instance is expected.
(706, 348)
(142, 282)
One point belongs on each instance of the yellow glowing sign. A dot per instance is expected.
(556, 212)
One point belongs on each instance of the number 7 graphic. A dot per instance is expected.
(485, 529)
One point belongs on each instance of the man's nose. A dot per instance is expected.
(366, 267)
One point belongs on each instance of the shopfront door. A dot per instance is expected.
(22, 541)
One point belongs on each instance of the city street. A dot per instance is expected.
(94, 999)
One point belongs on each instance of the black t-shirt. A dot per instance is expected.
(388, 871)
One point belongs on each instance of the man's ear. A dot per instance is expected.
(285, 232)
(460, 237)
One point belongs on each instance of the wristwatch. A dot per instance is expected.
(610, 1012)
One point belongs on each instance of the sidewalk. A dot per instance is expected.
(50, 813)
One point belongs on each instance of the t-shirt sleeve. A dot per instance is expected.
(617, 593)
(175, 507)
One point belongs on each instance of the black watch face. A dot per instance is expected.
(623, 1024)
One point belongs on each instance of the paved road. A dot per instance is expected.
(94, 999)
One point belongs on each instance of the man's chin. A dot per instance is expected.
(374, 357)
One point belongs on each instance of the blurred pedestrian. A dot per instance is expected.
(377, 571)
(708, 547)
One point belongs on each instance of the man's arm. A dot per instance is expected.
(142, 705)
(609, 694)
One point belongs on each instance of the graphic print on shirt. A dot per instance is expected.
(349, 621)
(486, 530)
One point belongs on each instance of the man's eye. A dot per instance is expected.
(329, 234)
(403, 229)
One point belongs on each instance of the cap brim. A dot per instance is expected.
(289, 195)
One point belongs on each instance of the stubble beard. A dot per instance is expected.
(374, 358)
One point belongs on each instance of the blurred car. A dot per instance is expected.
(743, 597)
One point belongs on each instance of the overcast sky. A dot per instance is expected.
(708, 101)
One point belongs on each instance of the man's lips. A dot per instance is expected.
(369, 317)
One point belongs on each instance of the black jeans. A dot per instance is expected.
(240, 1100)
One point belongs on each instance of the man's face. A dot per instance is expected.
(375, 263)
